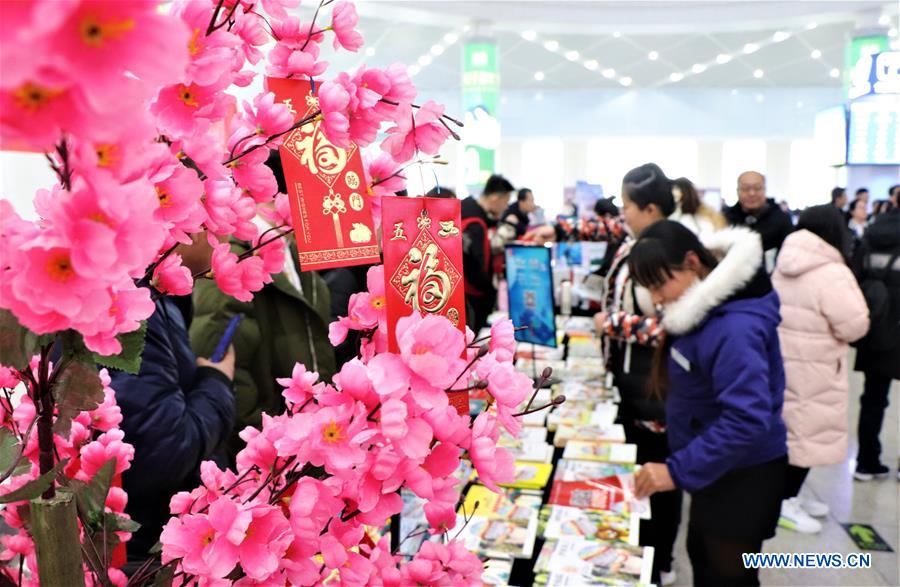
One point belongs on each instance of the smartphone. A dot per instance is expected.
(222, 347)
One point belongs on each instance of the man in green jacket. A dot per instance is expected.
(284, 324)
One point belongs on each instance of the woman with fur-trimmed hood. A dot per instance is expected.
(722, 373)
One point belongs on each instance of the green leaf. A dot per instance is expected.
(17, 343)
(34, 488)
(9, 449)
(129, 360)
(91, 496)
(164, 576)
(78, 388)
(116, 523)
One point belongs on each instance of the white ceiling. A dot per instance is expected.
(614, 41)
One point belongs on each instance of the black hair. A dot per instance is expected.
(661, 249)
(497, 184)
(440, 192)
(892, 189)
(854, 203)
(827, 223)
(647, 185)
(273, 162)
(523, 194)
(605, 206)
(862, 190)
(690, 199)
(837, 193)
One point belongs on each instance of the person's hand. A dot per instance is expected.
(652, 478)
(226, 365)
(600, 321)
(541, 234)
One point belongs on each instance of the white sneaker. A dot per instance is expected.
(667, 578)
(794, 518)
(815, 508)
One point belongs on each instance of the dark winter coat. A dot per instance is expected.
(772, 224)
(880, 243)
(726, 376)
(175, 414)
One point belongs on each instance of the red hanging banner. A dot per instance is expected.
(423, 271)
(326, 187)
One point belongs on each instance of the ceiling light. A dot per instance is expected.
(539, 96)
(734, 92)
(758, 73)
(722, 58)
(551, 45)
(466, 28)
(800, 104)
(529, 35)
(591, 64)
(539, 76)
(617, 34)
(609, 73)
(698, 68)
(424, 60)
(676, 77)
(653, 55)
(760, 98)
(780, 36)
(370, 51)
(451, 38)
(835, 72)
(816, 54)
(625, 81)
(572, 55)
(811, 26)
(413, 70)
(884, 20)
(751, 48)
(437, 50)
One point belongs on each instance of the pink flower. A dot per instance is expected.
(129, 305)
(254, 177)
(180, 203)
(334, 436)
(423, 133)
(503, 342)
(238, 278)
(279, 213)
(100, 41)
(402, 90)
(267, 539)
(292, 55)
(277, 7)
(228, 210)
(494, 464)
(270, 117)
(107, 415)
(334, 100)
(9, 377)
(207, 544)
(183, 110)
(215, 57)
(97, 453)
(312, 505)
(431, 347)
(381, 171)
(354, 381)
(301, 386)
(260, 444)
(343, 23)
(172, 277)
(389, 375)
(507, 386)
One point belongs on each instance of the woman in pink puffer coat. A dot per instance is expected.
(822, 310)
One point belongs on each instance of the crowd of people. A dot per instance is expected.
(729, 352)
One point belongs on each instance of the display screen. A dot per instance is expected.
(874, 137)
(830, 134)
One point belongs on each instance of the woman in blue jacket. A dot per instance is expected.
(721, 372)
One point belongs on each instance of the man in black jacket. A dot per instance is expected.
(177, 412)
(516, 216)
(877, 265)
(478, 216)
(760, 214)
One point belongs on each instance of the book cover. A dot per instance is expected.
(601, 451)
(531, 475)
(559, 521)
(576, 561)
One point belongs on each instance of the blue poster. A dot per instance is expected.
(529, 279)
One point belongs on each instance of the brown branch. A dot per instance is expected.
(294, 126)
(555, 402)
(215, 17)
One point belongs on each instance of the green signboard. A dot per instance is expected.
(858, 59)
(481, 92)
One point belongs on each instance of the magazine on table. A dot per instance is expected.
(531, 475)
(605, 452)
(559, 521)
(610, 477)
(497, 572)
(580, 562)
(613, 433)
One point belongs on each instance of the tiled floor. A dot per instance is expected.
(874, 503)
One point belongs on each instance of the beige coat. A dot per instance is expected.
(822, 310)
